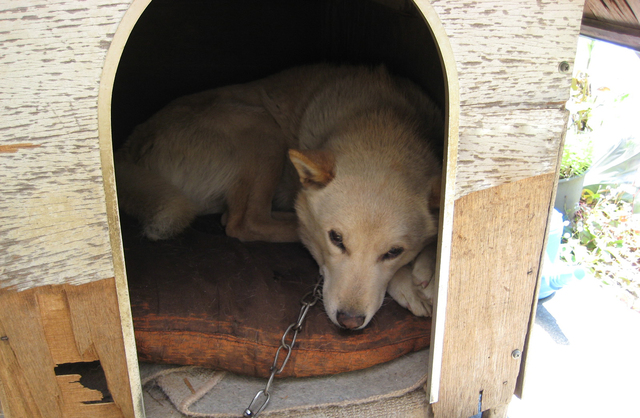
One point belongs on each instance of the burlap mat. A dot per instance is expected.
(393, 389)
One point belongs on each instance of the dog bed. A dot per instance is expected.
(204, 299)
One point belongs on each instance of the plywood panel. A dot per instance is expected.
(496, 249)
(49, 326)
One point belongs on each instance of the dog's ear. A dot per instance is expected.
(434, 196)
(316, 168)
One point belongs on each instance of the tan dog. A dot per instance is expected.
(359, 140)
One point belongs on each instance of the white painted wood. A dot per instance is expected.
(108, 171)
(501, 145)
(53, 220)
(508, 53)
(53, 225)
(452, 117)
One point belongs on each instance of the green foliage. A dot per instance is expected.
(577, 157)
(605, 238)
(581, 102)
(578, 150)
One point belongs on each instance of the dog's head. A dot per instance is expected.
(361, 224)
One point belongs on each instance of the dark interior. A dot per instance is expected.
(178, 286)
(180, 47)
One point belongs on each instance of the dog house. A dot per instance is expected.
(79, 75)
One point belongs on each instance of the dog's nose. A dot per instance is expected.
(350, 321)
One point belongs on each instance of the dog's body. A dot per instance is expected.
(360, 142)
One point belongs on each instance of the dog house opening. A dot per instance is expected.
(201, 297)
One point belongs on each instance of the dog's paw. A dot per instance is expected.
(413, 286)
(409, 295)
(170, 220)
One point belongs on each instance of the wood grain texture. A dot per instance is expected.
(499, 411)
(507, 55)
(452, 117)
(612, 32)
(498, 145)
(52, 325)
(496, 250)
(52, 201)
(508, 51)
(625, 13)
(77, 400)
(53, 226)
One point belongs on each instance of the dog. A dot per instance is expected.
(362, 174)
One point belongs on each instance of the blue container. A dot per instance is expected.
(555, 273)
(555, 236)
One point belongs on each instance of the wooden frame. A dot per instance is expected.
(63, 288)
(613, 21)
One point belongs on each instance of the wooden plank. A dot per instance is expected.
(52, 219)
(97, 327)
(48, 326)
(76, 400)
(500, 145)
(26, 369)
(508, 51)
(511, 89)
(497, 244)
(108, 174)
(611, 32)
(16, 396)
(452, 117)
(53, 222)
(499, 411)
(619, 12)
(58, 329)
(520, 383)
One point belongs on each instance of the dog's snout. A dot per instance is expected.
(349, 320)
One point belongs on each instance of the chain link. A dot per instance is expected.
(262, 398)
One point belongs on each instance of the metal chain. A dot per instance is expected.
(262, 398)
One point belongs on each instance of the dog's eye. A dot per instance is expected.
(336, 239)
(392, 253)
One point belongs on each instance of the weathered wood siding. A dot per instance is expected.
(75, 326)
(54, 229)
(512, 118)
(512, 93)
(60, 301)
(52, 200)
(53, 224)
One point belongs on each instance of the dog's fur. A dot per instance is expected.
(360, 142)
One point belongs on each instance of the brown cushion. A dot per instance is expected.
(207, 300)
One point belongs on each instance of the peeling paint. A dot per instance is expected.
(12, 148)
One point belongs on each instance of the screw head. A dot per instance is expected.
(564, 67)
(516, 354)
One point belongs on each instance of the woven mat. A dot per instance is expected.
(393, 389)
